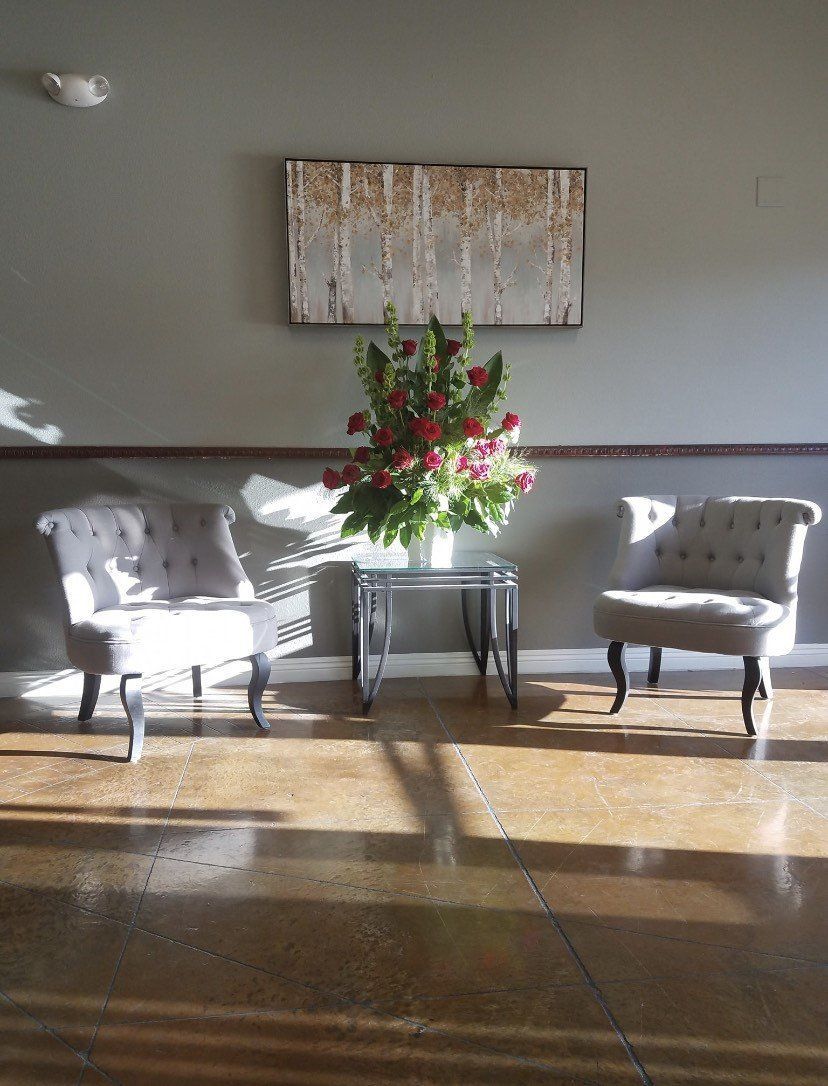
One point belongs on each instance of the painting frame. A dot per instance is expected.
(583, 170)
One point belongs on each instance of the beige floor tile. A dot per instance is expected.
(231, 781)
(30, 1055)
(343, 1046)
(452, 856)
(563, 1026)
(744, 875)
(114, 805)
(160, 980)
(766, 1029)
(56, 961)
(622, 772)
(356, 943)
(105, 881)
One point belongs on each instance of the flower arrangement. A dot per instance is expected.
(431, 455)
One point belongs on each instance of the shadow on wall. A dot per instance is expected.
(288, 542)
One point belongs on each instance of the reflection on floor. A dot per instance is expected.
(449, 892)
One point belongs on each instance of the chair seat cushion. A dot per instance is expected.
(722, 620)
(141, 638)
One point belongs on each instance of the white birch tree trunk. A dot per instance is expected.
(346, 282)
(304, 312)
(428, 247)
(494, 222)
(332, 281)
(416, 238)
(467, 191)
(386, 228)
(553, 203)
(293, 271)
(566, 252)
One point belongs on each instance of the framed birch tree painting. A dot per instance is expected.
(503, 243)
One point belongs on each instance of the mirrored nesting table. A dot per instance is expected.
(473, 572)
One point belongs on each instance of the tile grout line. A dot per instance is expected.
(556, 924)
(131, 927)
(52, 1032)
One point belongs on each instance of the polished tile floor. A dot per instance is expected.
(449, 892)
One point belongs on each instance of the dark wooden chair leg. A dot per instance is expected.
(655, 667)
(258, 682)
(196, 681)
(618, 667)
(765, 684)
(134, 708)
(89, 699)
(753, 679)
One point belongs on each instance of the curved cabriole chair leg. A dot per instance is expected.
(134, 707)
(753, 680)
(258, 682)
(618, 667)
(89, 699)
(655, 667)
(765, 685)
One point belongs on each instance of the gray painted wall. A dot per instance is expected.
(143, 293)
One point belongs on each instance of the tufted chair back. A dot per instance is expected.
(111, 555)
(749, 544)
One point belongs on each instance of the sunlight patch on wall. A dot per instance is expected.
(19, 413)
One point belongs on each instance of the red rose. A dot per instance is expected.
(510, 421)
(472, 428)
(435, 401)
(362, 455)
(356, 423)
(481, 470)
(432, 430)
(409, 346)
(331, 479)
(416, 426)
(461, 463)
(402, 459)
(397, 398)
(381, 479)
(525, 481)
(432, 460)
(478, 376)
(351, 473)
(384, 436)
(379, 377)
(453, 346)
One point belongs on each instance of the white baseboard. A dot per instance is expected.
(69, 683)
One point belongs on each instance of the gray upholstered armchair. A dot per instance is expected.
(152, 587)
(709, 575)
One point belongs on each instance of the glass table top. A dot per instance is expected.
(398, 562)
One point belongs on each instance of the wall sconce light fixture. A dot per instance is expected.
(76, 90)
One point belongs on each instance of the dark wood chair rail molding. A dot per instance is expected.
(275, 452)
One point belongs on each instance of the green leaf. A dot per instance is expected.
(415, 497)
(377, 359)
(345, 504)
(405, 534)
(479, 399)
(439, 335)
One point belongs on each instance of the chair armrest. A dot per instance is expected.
(636, 562)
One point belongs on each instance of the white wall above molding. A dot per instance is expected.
(68, 682)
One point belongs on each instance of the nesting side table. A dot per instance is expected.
(480, 572)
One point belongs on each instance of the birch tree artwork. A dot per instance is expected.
(501, 243)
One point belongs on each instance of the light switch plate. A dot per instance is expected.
(770, 191)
